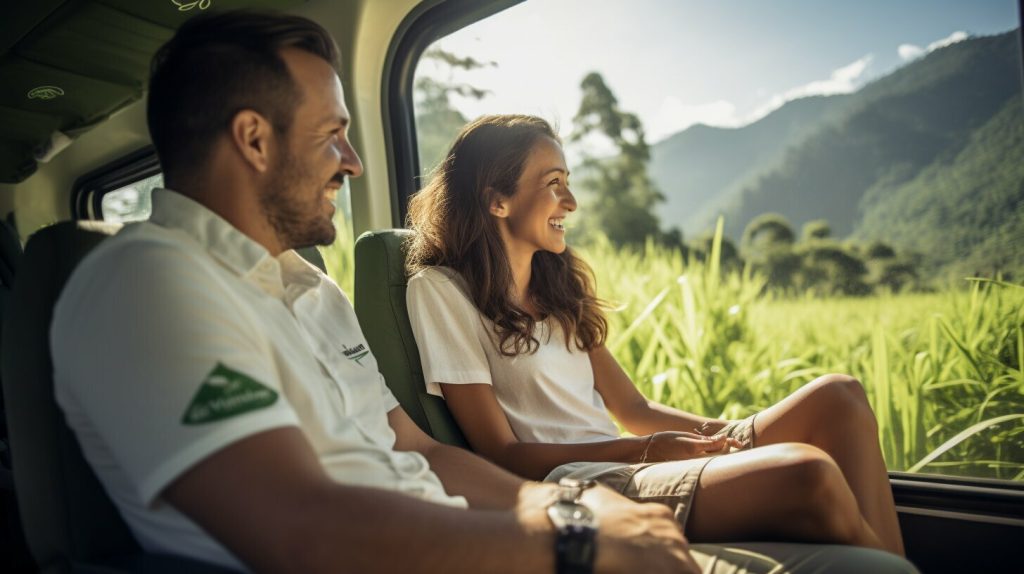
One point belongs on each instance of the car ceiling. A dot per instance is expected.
(67, 65)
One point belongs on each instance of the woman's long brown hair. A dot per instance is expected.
(454, 228)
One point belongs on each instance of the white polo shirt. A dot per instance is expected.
(181, 335)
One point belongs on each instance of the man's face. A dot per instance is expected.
(312, 159)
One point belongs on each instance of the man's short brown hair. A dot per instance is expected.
(217, 65)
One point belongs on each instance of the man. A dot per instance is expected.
(215, 391)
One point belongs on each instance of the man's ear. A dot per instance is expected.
(251, 136)
(499, 203)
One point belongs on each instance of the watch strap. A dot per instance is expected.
(575, 549)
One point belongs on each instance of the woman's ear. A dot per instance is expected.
(499, 203)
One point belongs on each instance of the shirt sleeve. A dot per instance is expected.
(390, 402)
(158, 363)
(448, 331)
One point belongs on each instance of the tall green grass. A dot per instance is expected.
(340, 256)
(943, 371)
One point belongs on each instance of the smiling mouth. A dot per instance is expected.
(557, 223)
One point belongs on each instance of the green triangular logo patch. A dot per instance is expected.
(226, 393)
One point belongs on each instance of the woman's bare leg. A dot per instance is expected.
(833, 414)
(791, 492)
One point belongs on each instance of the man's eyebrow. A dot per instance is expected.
(343, 121)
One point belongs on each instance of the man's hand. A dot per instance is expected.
(631, 537)
(636, 537)
(666, 446)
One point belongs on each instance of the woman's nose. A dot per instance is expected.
(569, 200)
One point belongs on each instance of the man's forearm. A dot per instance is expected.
(484, 484)
(368, 530)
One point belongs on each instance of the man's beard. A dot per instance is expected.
(296, 215)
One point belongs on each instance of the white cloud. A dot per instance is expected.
(909, 52)
(841, 81)
(674, 116)
(958, 36)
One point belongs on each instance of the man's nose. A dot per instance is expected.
(350, 162)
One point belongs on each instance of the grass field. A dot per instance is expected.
(943, 371)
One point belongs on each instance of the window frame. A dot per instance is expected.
(423, 26)
(88, 190)
(972, 499)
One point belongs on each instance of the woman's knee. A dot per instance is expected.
(802, 465)
(840, 387)
(842, 398)
(820, 500)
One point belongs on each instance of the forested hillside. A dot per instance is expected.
(967, 215)
(921, 114)
(702, 166)
(927, 158)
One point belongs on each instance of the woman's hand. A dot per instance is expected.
(685, 445)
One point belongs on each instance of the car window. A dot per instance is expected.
(774, 191)
(131, 202)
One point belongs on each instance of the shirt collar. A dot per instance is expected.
(234, 249)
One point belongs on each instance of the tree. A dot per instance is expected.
(767, 231)
(830, 267)
(817, 229)
(437, 121)
(880, 250)
(768, 244)
(623, 195)
(730, 254)
(897, 275)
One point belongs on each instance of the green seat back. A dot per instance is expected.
(380, 285)
(312, 254)
(70, 523)
(66, 514)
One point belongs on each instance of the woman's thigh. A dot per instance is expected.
(816, 412)
(785, 491)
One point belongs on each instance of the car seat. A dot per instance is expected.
(380, 284)
(70, 523)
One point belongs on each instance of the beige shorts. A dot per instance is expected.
(672, 483)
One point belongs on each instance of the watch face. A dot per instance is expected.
(564, 514)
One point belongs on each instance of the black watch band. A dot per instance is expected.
(575, 528)
(575, 548)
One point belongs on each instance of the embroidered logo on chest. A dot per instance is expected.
(356, 353)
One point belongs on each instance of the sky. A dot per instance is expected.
(719, 62)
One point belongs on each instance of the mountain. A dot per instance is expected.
(819, 157)
(920, 114)
(702, 166)
(965, 215)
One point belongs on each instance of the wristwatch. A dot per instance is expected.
(576, 527)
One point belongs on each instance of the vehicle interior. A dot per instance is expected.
(73, 76)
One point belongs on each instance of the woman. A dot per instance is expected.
(512, 336)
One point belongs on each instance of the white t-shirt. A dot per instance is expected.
(548, 396)
(181, 335)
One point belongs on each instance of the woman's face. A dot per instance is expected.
(533, 218)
